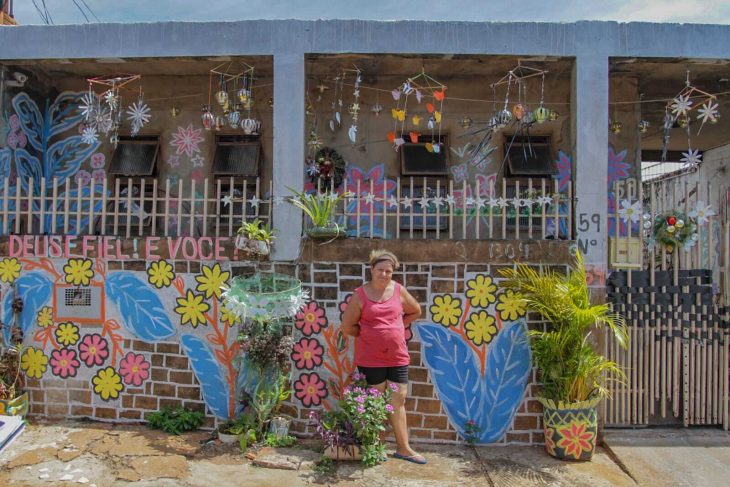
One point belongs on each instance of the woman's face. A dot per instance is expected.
(382, 271)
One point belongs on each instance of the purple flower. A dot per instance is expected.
(393, 387)
(360, 409)
(373, 391)
(360, 399)
(389, 408)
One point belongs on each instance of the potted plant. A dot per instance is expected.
(320, 208)
(13, 400)
(573, 374)
(337, 434)
(239, 429)
(255, 238)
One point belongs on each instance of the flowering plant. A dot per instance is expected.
(359, 421)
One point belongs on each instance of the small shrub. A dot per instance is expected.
(175, 421)
(279, 442)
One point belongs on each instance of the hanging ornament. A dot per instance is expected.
(220, 122)
(222, 98)
(376, 109)
(554, 115)
(208, 119)
(234, 117)
(138, 114)
(106, 117)
(682, 121)
(250, 126)
(174, 112)
(518, 111)
(616, 127)
(643, 126)
(679, 223)
(466, 122)
(671, 220)
(541, 114)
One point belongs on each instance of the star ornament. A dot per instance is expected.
(681, 105)
(691, 157)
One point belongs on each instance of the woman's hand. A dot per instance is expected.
(411, 308)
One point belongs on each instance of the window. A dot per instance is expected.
(529, 157)
(135, 156)
(417, 160)
(237, 155)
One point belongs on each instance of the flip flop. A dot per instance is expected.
(411, 458)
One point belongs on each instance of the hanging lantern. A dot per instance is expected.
(504, 118)
(220, 122)
(683, 121)
(528, 118)
(250, 126)
(221, 97)
(377, 108)
(518, 111)
(466, 122)
(616, 127)
(643, 126)
(233, 118)
(541, 114)
(208, 118)
(553, 115)
(243, 95)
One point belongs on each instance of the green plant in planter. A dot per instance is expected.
(573, 374)
(320, 209)
(175, 421)
(255, 238)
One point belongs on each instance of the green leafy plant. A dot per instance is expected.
(571, 370)
(255, 230)
(267, 399)
(175, 421)
(318, 207)
(270, 439)
(471, 431)
(325, 467)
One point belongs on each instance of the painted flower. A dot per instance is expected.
(511, 306)
(702, 212)
(9, 270)
(98, 175)
(82, 176)
(45, 317)
(575, 440)
(549, 442)
(134, 369)
(229, 317)
(78, 272)
(565, 170)
(93, 350)
(618, 168)
(480, 328)
(107, 383)
(630, 211)
(310, 319)
(192, 309)
(64, 363)
(310, 389)
(307, 353)
(33, 363)
(98, 160)
(382, 189)
(446, 310)
(344, 303)
(480, 291)
(211, 280)
(67, 334)
(160, 274)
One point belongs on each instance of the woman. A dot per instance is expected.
(378, 314)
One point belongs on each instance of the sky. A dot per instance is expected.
(680, 11)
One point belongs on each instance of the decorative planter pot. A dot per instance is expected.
(279, 425)
(15, 407)
(570, 429)
(326, 232)
(226, 438)
(343, 453)
(252, 246)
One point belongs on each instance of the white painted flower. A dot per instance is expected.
(691, 157)
(702, 212)
(681, 105)
(630, 211)
(708, 112)
(89, 136)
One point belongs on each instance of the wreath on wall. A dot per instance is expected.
(327, 166)
(673, 229)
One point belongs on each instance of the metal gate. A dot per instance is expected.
(675, 301)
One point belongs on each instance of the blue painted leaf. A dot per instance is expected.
(28, 167)
(64, 157)
(139, 307)
(209, 374)
(455, 372)
(75, 227)
(35, 289)
(8, 315)
(64, 112)
(31, 120)
(507, 371)
(6, 156)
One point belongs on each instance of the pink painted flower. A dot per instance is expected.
(64, 363)
(22, 140)
(310, 389)
(382, 188)
(14, 122)
(98, 175)
(93, 350)
(310, 319)
(134, 369)
(83, 176)
(344, 303)
(98, 160)
(307, 353)
(12, 140)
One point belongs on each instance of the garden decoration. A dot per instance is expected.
(320, 208)
(103, 113)
(673, 229)
(354, 107)
(254, 238)
(573, 374)
(327, 166)
(424, 88)
(264, 297)
(235, 104)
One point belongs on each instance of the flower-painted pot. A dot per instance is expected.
(326, 232)
(343, 453)
(15, 407)
(570, 429)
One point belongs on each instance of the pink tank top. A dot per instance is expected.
(382, 340)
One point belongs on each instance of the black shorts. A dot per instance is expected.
(378, 375)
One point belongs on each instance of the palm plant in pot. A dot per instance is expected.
(320, 208)
(573, 374)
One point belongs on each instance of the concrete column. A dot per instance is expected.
(589, 97)
(288, 171)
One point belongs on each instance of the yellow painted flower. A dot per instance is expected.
(160, 274)
(78, 272)
(480, 291)
(511, 306)
(211, 280)
(192, 309)
(446, 310)
(480, 328)
(9, 270)
(45, 317)
(67, 334)
(33, 363)
(107, 383)
(227, 316)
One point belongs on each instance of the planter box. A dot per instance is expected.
(15, 407)
(342, 453)
(326, 232)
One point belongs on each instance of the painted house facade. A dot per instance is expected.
(118, 237)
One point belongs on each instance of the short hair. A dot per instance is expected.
(382, 255)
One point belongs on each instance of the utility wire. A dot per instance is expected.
(41, 13)
(90, 11)
(81, 10)
(48, 14)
